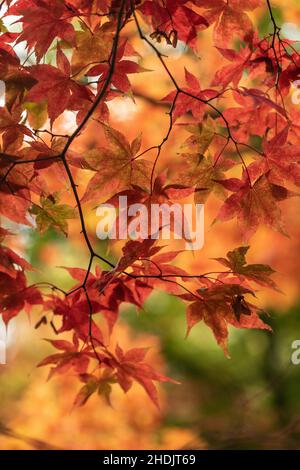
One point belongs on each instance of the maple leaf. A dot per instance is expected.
(201, 137)
(92, 47)
(233, 72)
(105, 292)
(17, 79)
(42, 22)
(175, 17)
(102, 386)
(86, 7)
(5, 47)
(142, 257)
(185, 103)
(249, 118)
(9, 260)
(134, 289)
(51, 214)
(223, 305)
(55, 86)
(113, 293)
(14, 206)
(11, 129)
(90, 387)
(290, 74)
(164, 193)
(46, 156)
(122, 68)
(259, 273)
(259, 97)
(254, 204)
(253, 114)
(130, 366)
(281, 158)
(110, 290)
(135, 249)
(14, 292)
(115, 166)
(71, 357)
(230, 18)
(74, 312)
(200, 171)
(270, 61)
(105, 385)
(15, 179)
(15, 295)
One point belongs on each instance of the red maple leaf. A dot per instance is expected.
(234, 71)
(123, 67)
(221, 306)
(130, 366)
(185, 102)
(11, 129)
(281, 158)
(230, 18)
(254, 204)
(175, 16)
(56, 86)
(43, 21)
(15, 295)
(71, 357)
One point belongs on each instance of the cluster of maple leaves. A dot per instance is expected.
(92, 63)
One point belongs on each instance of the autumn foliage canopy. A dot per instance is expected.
(241, 146)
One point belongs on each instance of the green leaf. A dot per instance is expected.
(51, 214)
